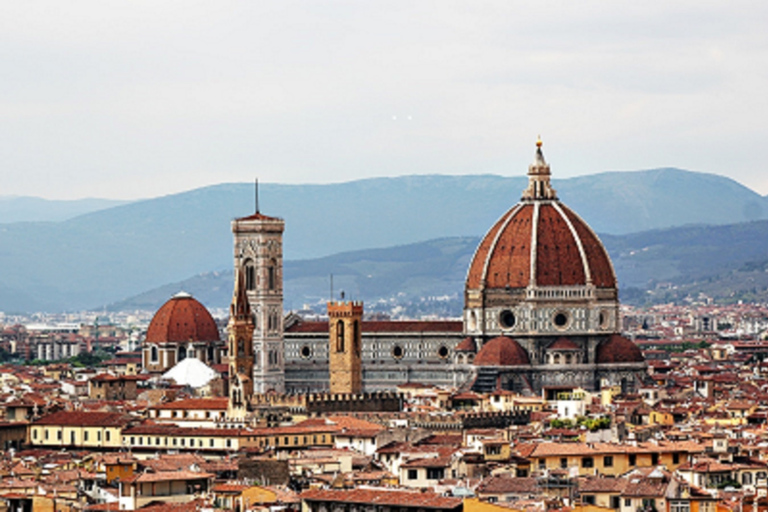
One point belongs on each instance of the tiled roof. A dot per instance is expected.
(507, 484)
(85, 419)
(618, 349)
(503, 258)
(197, 404)
(383, 497)
(168, 476)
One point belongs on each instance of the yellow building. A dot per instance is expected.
(77, 429)
(166, 437)
(608, 458)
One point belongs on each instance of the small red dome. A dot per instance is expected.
(182, 319)
(618, 349)
(467, 345)
(564, 250)
(502, 351)
(564, 344)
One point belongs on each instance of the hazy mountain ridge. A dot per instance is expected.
(36, 209)
(104, 256)
(725, 262)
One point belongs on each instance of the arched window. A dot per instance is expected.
(271, 275)
(153, 354)
(340, 336)
(568, 359)
(240, 348)
(250, 275)
(557, 358)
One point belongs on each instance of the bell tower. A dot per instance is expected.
(240, 351)
(259, 256)
(345, 352)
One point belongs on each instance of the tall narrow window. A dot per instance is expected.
(250, 275)
(271, 277)
(153, 354)
(340, 336)
(356, 336)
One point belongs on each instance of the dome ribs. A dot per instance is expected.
(510, 261)
(600, 266)
(558, 260)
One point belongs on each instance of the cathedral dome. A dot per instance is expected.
(182, 319)
(618, 349)
(502, 351)
(541, 244)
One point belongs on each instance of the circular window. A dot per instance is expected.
(507, 319)
(442, 351)
(398, 352)
(306, 352)
(561, 319)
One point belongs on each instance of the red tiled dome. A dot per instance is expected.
(182, 319)
(618, 349)
(567, 252)
(502, 351)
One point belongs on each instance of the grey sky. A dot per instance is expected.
(143, 98)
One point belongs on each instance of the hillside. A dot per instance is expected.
(725, 262)
(104, 256)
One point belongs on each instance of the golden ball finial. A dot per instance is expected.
(538, 142)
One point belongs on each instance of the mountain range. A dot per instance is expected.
(104, 256)
(727, 263)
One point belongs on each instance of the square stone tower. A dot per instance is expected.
(345, 346)
(259, 255)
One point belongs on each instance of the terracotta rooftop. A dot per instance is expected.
(403, 499)
(85, 419)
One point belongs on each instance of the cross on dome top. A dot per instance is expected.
(539, 186)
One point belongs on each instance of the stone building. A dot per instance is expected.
(541, 314)
(345, 347)
(258, 254)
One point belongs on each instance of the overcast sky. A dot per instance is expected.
(142, 98)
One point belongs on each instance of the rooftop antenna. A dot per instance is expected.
(257, 194)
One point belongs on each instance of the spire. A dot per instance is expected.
(538, 177)
(240, 306)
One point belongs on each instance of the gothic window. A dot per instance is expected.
(340, 336)
(271, 277)
(250, 275)
(240, 348)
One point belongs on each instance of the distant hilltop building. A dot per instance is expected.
(541, 314)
